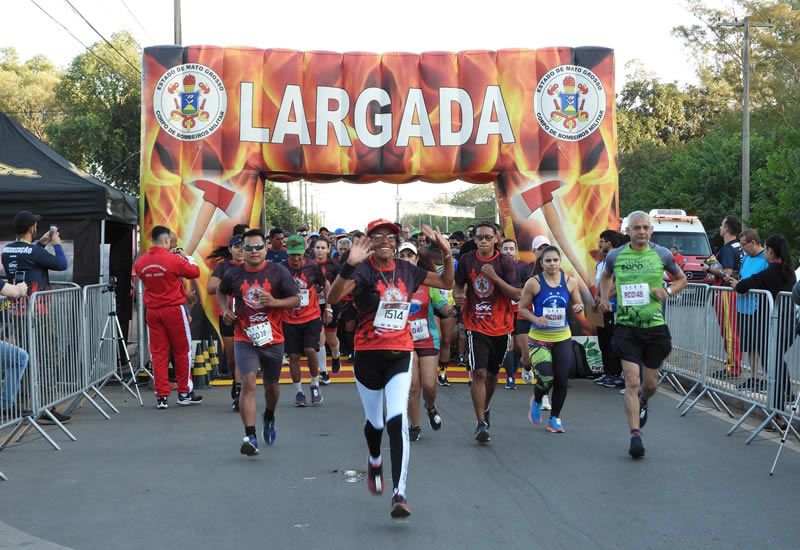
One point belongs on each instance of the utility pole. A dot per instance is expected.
(746, 25)
(397, 203)
(177, 22)
(305, 201)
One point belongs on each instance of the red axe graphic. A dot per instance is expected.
(215, 196)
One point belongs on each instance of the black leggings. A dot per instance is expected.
(612, 366)
(552, 361)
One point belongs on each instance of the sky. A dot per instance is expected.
(636, 30)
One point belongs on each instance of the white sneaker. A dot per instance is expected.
(285, 360)
(546, 403)
(527, 375)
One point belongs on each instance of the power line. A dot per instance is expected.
(110, 45)
(137, 21)
(103, 61)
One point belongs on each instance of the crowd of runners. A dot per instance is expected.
(397, 305)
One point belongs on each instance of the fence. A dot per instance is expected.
(735, 346)
(56, 347)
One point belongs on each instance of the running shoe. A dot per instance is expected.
(236, 390)
(442, 378)
(300, 399)
(486, 417)
(535, 412)
(546, 403)
(190, 398)
(600, 380)
(482, 433)
(527, 375)
(611, 382)
(642, 412)
(324, 378)
(434, 418)
(400, 507)
(461, 362)
(316, 396)
(636, 449)
(249, 446)
(622, 391)
(336, 364)
(375, 478)
(511, 384)
(235, 405)
(414, 433)
(269, 433)
(619, 382)
(162, 402)
(555, 426)
(285, 360)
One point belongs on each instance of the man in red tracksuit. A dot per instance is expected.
(161, 270)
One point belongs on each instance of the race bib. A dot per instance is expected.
(260, 334)
(392, 315)
(419, 329)
(556, 316)
(636, 295)
(304, 298)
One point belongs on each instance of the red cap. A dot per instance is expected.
(380, 222)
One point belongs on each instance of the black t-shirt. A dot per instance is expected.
(395, 283)
(730, 255)
(486, 309)
(310, 283)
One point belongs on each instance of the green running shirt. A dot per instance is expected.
(637, 273)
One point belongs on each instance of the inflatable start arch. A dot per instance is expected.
(538, 124)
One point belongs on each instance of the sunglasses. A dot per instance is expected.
(378, 237)
(484, 237)
(251, 247)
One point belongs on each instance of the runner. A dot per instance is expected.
(641, 336)
(382, 289)
(485, 286)
(425, 335)
(550, 338)
(330, 314)
(512, 361)
(262, 291)
(233, 258)
(302, 325)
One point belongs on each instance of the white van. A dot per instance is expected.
(672, 227)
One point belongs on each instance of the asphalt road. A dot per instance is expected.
(175, 478)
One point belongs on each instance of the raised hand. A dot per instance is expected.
(436, 237)
(360, 251)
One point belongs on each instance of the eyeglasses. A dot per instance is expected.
(484, 237)
(378, 237)
(251, 247)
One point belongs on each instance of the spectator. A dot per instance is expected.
(302, 231)
(277, 251)
(612, 366)
(161, 273)
(679, 259)
(456, 241)
(342, 246)
(13, 359)
(23, 256)
(32, 259)
(726, 264)
(753, 263)
(777, 277)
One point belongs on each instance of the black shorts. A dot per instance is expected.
(486, 352)
(225, 330)
(249, 358)
(521, 326)
(426, 352)
(374, 368)
(644, 346)
(753, 332)
(348, 312)
(302, 336)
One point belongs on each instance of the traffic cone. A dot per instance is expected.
(206, 361)
(214, 357)
(198, 369)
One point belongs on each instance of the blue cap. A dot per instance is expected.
(236, 239)
(340, 231)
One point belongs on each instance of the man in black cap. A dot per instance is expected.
(24, 256)
(29, 257)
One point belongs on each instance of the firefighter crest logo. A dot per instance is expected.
(570, 102)
(483, 286)
(190, 101)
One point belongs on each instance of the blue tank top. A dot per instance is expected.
(552, 302)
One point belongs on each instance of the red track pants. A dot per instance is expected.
(168, 327)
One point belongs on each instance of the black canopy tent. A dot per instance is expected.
(87, 211)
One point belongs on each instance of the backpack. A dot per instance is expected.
(580, 366)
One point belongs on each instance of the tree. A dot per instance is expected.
(100, 96)
(27, 91)
(279, 212)
(482, 197)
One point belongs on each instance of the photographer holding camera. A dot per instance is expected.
(31, 259)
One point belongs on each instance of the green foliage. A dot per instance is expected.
(27, 90)
(100, 130)
(279, 212)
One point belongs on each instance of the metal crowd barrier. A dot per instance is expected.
(739, 346)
